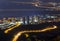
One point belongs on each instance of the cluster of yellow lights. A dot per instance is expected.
(26, 35)
(11, 28)
(15, 38)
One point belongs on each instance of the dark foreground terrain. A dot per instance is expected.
(53, 35)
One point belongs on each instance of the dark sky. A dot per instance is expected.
(10, 9)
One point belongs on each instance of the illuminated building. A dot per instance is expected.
(22, 20)
(35, 19)
(30, 19)
(26, 20)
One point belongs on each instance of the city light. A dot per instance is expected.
(9, 22)
(11, 28)
(16, 36)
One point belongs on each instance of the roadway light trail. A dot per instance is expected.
(19, 9)
(16, 36)
(36, 3)
(23, 2)
(40, 4)
(32, 2)
(11, 28)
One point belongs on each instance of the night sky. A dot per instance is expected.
(10, 9)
